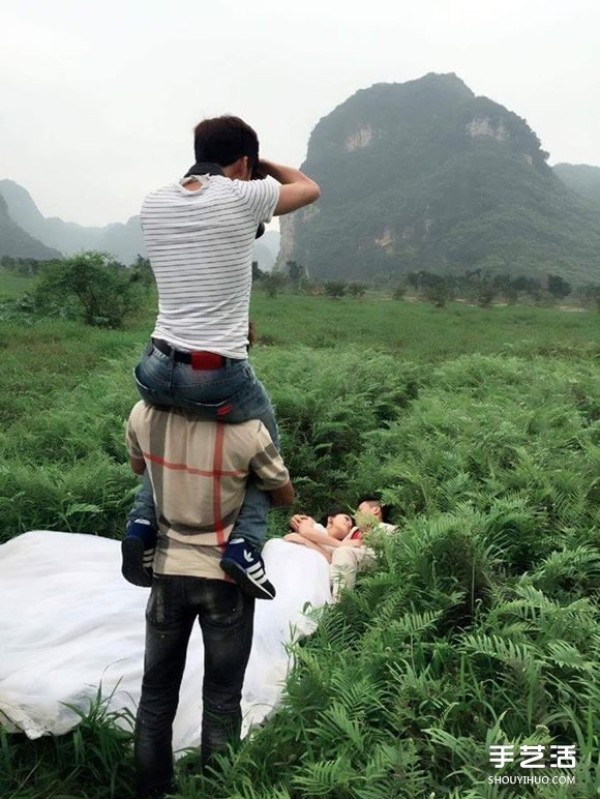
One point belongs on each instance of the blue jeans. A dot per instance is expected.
(226, 617)
(235, 388)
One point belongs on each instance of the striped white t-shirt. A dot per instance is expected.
(200, 247)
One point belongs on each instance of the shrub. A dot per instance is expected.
(357, 290)
(335, 289)
(89, 286)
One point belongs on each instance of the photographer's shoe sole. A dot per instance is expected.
(132, 562)
(264, 590)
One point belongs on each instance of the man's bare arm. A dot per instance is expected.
(297, 189)
(309, 531)
(283, 496)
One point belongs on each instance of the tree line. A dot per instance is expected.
(98, 290)
(476, 285)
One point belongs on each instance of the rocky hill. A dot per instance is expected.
(582, 178)
(425, 175)
(16, 243)
(123, 241)
(266, 249)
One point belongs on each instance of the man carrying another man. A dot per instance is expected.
(205, 439)
(198, 470)
(199, 234)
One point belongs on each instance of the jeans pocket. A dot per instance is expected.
(223, 411)
(225, 605)
(214, 385)
(154, 396)
(164, 603)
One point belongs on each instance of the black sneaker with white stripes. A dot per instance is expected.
(245, 565)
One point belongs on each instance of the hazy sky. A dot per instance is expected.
(98, 100)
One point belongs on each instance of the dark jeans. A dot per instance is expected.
(163, 381)
(226, 618)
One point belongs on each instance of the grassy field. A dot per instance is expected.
(13, 285)
(420, 331)
(480, 624)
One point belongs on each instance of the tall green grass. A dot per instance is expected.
(66, 393)
(479, 625)
(13, 285)
(93, 762)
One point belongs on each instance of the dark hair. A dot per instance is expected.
(334, 512)
(375, 499)
(222, 140)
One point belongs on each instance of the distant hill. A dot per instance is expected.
(123, 241)
(16, 243)
(581, 178)
(425, 175)
(266, 249)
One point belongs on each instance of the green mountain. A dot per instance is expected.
(16, 243)
(425, 175)
(581, 178)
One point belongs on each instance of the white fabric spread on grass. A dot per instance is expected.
(69, 623)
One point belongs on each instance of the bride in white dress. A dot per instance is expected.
(70, 625)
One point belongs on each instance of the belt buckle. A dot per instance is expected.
(206, 360)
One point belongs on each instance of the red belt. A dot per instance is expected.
(200, 359)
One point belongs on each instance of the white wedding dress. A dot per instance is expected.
(71, 625)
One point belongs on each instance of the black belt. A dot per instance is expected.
(199, 359)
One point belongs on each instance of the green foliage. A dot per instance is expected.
(257, 272)
(13, 285)
(94, 761)
(558, 287)
(141, 272)
(273, 283)
(482, 287)
(89, 286)
(420, 333)
(323, 412)
(581, 178)
(432, 287)
(425, 175)
(335, 289)
(357, 290)
(479, 624)
(25, 267)
(64, 463)
(296, 273)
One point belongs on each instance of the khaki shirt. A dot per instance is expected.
(198, 470)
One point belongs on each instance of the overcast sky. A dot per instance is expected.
(98, 100)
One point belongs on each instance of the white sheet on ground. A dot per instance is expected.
(69, 623)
